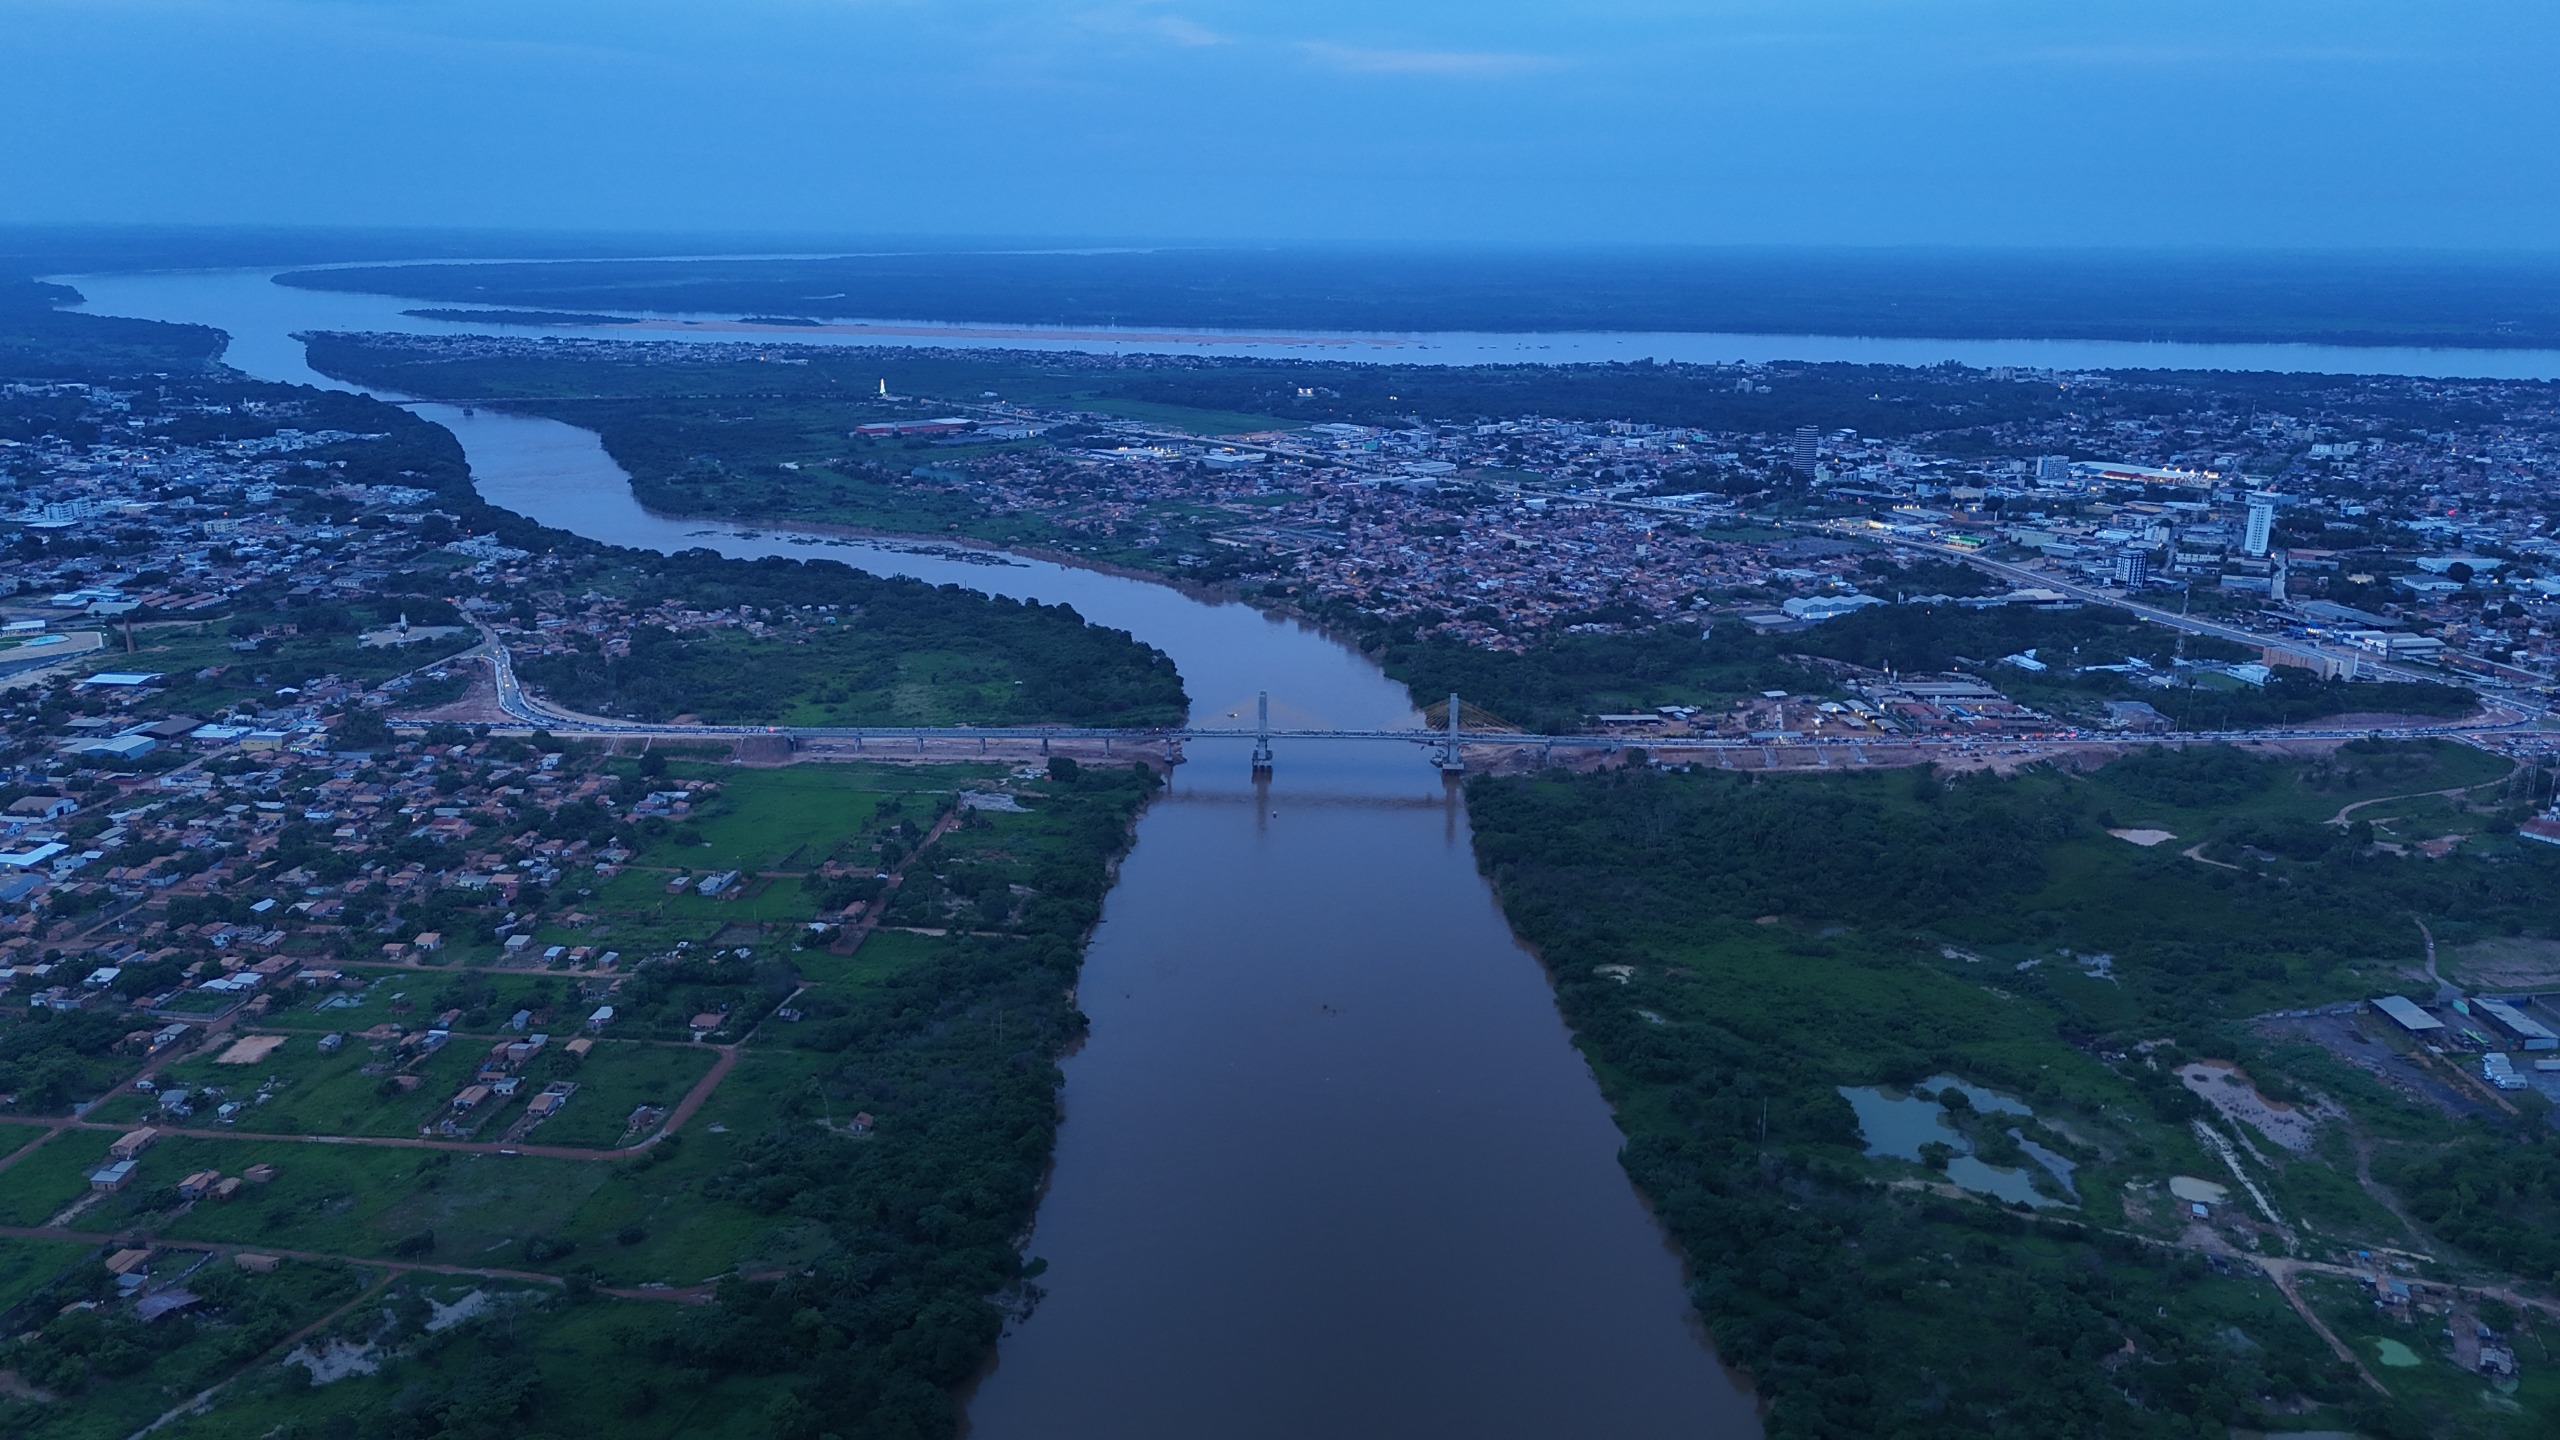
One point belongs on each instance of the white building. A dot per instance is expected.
(2262, 525)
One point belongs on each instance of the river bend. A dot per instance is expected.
(1330, 1166)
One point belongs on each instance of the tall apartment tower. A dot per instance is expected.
(2262, 525)
(2133, 568)
(1808, 448)
(2052, 469)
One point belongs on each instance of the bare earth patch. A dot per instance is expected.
(249, 1050)
(2144, 838)
(2228, 1089)
(2508, 963)
(335, 1360)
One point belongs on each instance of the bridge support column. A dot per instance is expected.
(1262, 735)
(1450, 762)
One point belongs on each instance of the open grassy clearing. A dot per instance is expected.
(550, 1356)
(26, 1266)
(614, 1080)
(52, 1178)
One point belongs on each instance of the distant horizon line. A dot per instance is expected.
(624, 243)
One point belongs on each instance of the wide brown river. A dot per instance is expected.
(1330, 1169)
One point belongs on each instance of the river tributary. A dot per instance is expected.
(1330, 1166)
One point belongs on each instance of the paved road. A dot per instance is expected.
(532, 711)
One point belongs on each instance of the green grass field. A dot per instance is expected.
(51, 1178)
(616, 1078)
(883, 952)
(16, 1135)
(414, 998)
(307, 1093)
(575, 1358)
(2315, 792)
(364, 1201)
(26, 1266)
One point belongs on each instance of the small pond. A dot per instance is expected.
(1895, 1123)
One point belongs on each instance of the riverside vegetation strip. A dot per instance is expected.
(850, 1177)
(1729, 953)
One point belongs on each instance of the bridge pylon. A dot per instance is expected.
(1262, 735)
(1450, 761)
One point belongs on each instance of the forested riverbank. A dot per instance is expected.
(1733, 954)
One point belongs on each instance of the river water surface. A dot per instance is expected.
(1330, 1166)
(319, 310)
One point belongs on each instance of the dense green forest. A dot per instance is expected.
(2076, 294)
(41, 341)
(1787, 936)
(904, 653)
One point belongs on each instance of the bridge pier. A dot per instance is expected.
(1262, 736)
(1450, 761)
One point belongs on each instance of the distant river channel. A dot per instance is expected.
(1331, 1168)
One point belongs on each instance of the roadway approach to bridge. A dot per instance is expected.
(1444, 747)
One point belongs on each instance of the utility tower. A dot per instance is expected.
(1262, 734)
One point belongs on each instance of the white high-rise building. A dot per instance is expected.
(2262, 525)
(1808, 448)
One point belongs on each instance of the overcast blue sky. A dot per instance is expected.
(2274, 122)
